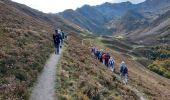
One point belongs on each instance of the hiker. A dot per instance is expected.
(62, 39)
(111, 64)
(100, 55)
(107, 57)
(93, 51)
(63, 36)
(57, 37)
(103, 58)
(123, 72)
(97, 52)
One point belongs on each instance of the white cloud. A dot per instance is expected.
(60, 5)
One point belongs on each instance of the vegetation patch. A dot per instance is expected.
(81, 77)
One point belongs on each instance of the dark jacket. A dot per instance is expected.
(57, 38)
(63, 35)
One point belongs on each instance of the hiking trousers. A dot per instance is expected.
(124, 78)
(57, 48)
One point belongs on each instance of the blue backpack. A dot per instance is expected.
(111, 62)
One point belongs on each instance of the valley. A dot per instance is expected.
(138, 34)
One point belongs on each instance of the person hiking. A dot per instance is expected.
(57, 37)
(97, 53)
(123, 72)
(107, 57)
(111, 64)
(100, 55)
(103, 58)
(61, 39)
(92, 50)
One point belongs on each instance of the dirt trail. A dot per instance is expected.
(45, 88)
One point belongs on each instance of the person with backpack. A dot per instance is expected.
(61, 40)
(123, 72)
(103, 58)
(97, 53)
(100, 55)
(107, 57)
(57, 37)
(63, 37)
(111, 64)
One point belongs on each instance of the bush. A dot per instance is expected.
(21, 75)
(3, 69)
(167, 74)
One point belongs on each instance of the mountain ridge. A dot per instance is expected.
(113, 12)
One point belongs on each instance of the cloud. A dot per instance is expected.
(55, 6)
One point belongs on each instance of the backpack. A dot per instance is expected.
(57, 38)
(122, 68)
(111, 62)
(100, 55)
(125, 71)
(107, 56)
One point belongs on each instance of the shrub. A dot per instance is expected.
(21, 75)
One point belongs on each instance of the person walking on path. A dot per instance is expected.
(103, 58)
(111, 64)
(57, 37)
(100, 55)
(107, 57)
(61, 39)
(63, 36)
(123, 72)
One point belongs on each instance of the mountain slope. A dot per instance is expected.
(78, 19)
(129, 22)
(25, 44)
(104, 16)
(81, 77)
(110, 10)
(156, 31)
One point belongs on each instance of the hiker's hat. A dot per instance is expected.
(123, 62)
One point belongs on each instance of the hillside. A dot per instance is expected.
(25, 44)
(81, 77)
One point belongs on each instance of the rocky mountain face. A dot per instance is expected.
(121, 18)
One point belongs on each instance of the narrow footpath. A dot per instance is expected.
(45, 87)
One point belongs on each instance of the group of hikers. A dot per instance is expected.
(105, 58)
(58, 38)
(102, 55)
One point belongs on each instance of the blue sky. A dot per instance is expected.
(54, 6)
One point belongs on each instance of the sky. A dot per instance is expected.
(55, 6)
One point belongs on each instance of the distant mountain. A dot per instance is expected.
(111, 18)
(110, 10)
(158, 31)
(153, 5)
(129, 22)
(90, 13)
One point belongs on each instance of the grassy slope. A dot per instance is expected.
(24, 48)
(80, 76)
(151, 84)
(25, 44)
